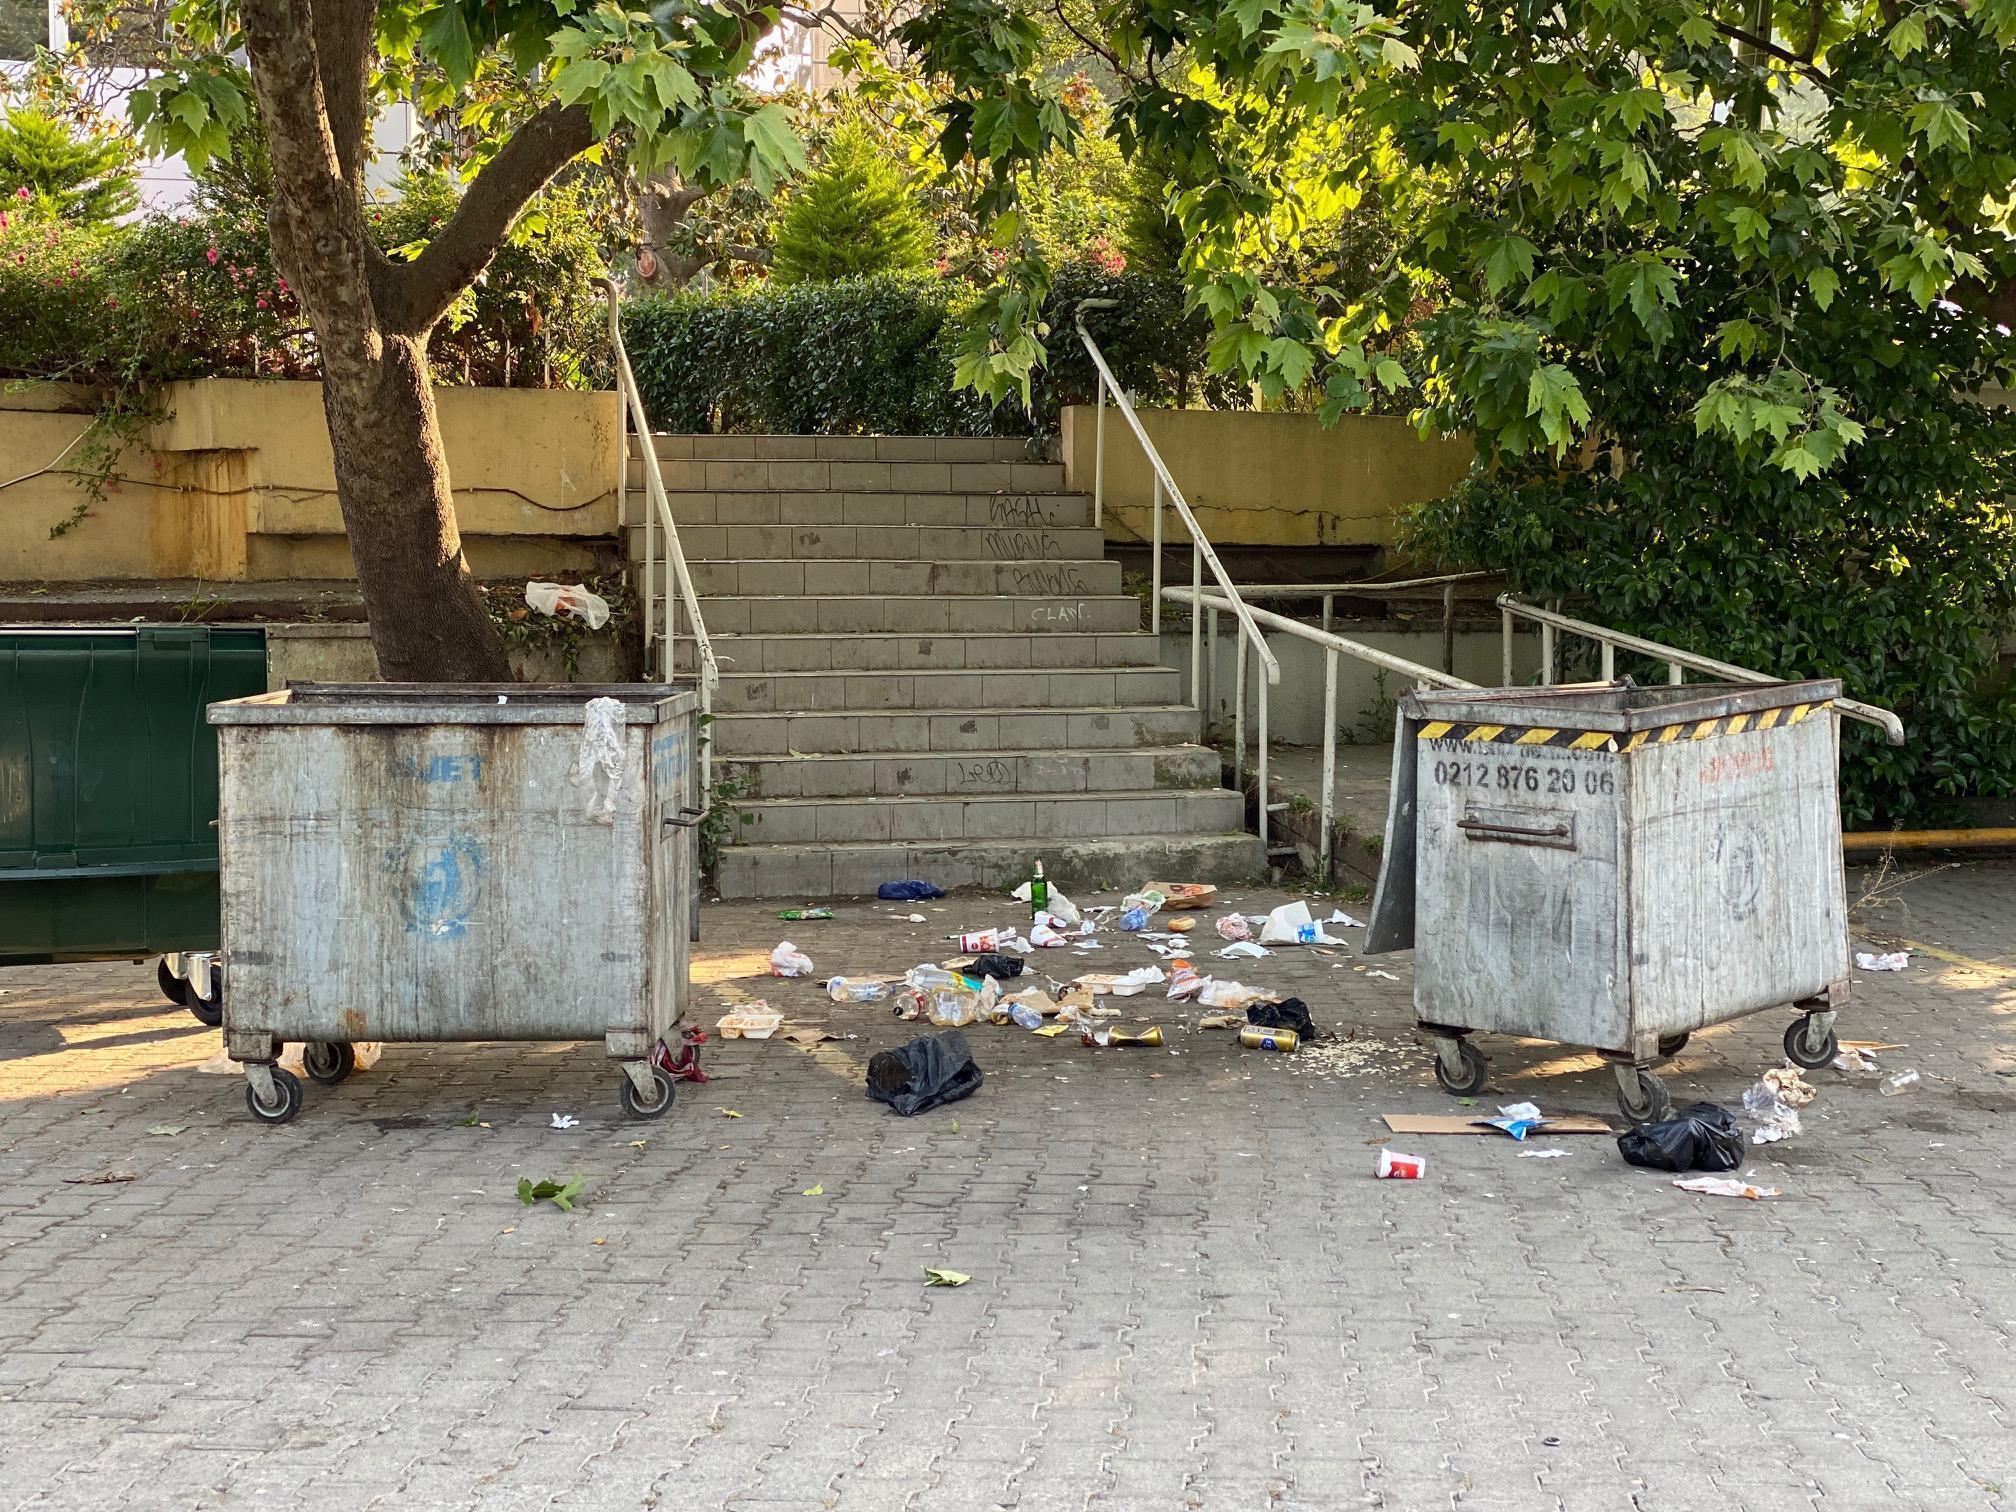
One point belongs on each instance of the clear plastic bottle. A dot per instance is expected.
(1026, 1015)
(858, 990)
(1898, 1082)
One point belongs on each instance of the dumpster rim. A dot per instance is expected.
(547, 704)
(1557, 704)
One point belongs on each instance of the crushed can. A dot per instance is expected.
(1394, 1166)
(1254, 1037)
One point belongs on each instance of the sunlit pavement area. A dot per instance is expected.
(1187, 1289)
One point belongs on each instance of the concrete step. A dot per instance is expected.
(1006, 729)
(876, 577)
(904, 477)
(865, 653)
(967, 690)
(916, 774)
(1012, 511)
(920, 614)
(1078, 865)
(905, 543)
(680, 448)
(1000, 816)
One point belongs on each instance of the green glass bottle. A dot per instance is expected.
(1039, 890)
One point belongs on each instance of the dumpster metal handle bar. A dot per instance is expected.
(686, 818)
(1489, 827)
(1206, 606)
(657, 512)
(1201, 552)
(1678, 662)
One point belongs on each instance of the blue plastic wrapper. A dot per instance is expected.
(1134, 920)
(908, 892)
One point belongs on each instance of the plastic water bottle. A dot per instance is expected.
(860, 990)
(1134, 920)
(1026, 1015)
(1898, 1082)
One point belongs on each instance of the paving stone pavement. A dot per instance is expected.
(1187, 1290)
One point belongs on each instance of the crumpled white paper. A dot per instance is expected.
(1895, 960)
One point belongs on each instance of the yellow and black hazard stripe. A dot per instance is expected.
(1605, 740)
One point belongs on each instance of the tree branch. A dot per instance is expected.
(414, 295)
(345, 35)
(1819, 76)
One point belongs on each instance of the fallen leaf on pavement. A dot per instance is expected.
(730, 1113)
(170, 1130)
(935, 1277)
(818, 1189)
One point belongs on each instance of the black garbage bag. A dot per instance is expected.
(1289, 1013)
(1700, 1137)
(927, 1072)
(1001, 967)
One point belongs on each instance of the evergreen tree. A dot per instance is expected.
(854, 216)
(86, 181)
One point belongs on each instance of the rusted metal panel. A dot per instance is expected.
(1607, 865)
(404, 862)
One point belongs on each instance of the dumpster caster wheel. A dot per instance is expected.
(1470, 1081)
(208, 1010)
(1671, 1045)
(173, 987)
(287, 1098)
(1803, 1049)
(636, 1106)
(1641, 1096)
(328, 1062)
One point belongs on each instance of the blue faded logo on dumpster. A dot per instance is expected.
(439, 882)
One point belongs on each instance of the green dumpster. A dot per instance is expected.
(108, 786)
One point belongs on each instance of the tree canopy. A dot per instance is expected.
(80, 179)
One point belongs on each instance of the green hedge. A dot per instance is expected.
(875, 355)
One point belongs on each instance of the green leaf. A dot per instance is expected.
(446, 39)
(1823, 284)
(1391, 375)
(936, 1277)
(1507, 258)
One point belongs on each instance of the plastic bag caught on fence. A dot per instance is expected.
(577, 602)
(599, 766)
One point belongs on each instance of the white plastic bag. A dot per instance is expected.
(600, 765)
(1060, 908)
(558, 598)
(1291, 924)
(787, 960)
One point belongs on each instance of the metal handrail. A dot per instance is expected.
(1677, 661)
(1202, 605)
(630, 411)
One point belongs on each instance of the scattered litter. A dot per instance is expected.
(1184, 981)
(1777, 1117)
(1456, 1123)
(817, 1189)
(758, 1022)
(1105, 1035)
(1516, 1119)
(1221, 1021)
(102, 1178)
(909, 892)
(730, 1113)
(931, 1070)
(1792, 1088)
(168, 1131)
(1288, 1013)
(1240, 950)
(599, 765)
(1051, 1031)
(1001, 967)
(1055, 904)
(1034, 998)
(1218, 994)
(1541, 1154)
(936, 1277)
(1183, 895)
(560, 1196)
(1700, 1137)
(1895, 960)
(917, 919)
(1149, 900)
(981, 940)
(1127, 985)
(1725, 1186)
(572, 600)
(1856, 1061)
(1384, 976)
(1043, 935)
(1341, 917)
(1234, 927)
(1393, 1166)
(1182, 926)
(564, 1120)
(1263, 1037)
(808, 1037)
(1898, 1082)
(1135, 919)
(787, 960)
(1291, 924)
(798, 915)
(857, 989)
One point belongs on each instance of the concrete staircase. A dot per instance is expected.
(929, 670)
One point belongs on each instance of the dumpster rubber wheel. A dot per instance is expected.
(329, 1062)
(173, 987)
(289, 1087)
(1671, 1045)
(1800, 1049)
(1652, 1103)
(1474, 1071)
(627, 1092)
(210, 1013)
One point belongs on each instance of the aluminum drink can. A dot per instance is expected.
(1253, 1037)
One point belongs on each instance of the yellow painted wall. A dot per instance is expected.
(237, 483)
(1265, 480)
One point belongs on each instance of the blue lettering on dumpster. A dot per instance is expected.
(442, 768)
(439, 882)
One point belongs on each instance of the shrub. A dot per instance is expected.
(876, 355)
(89, 180)
(851, 218)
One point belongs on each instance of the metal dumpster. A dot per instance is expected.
(410, 862)
(108, 790)
(1614, 866)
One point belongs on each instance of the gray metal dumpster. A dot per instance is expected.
(1614, 866)
(411, 862)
